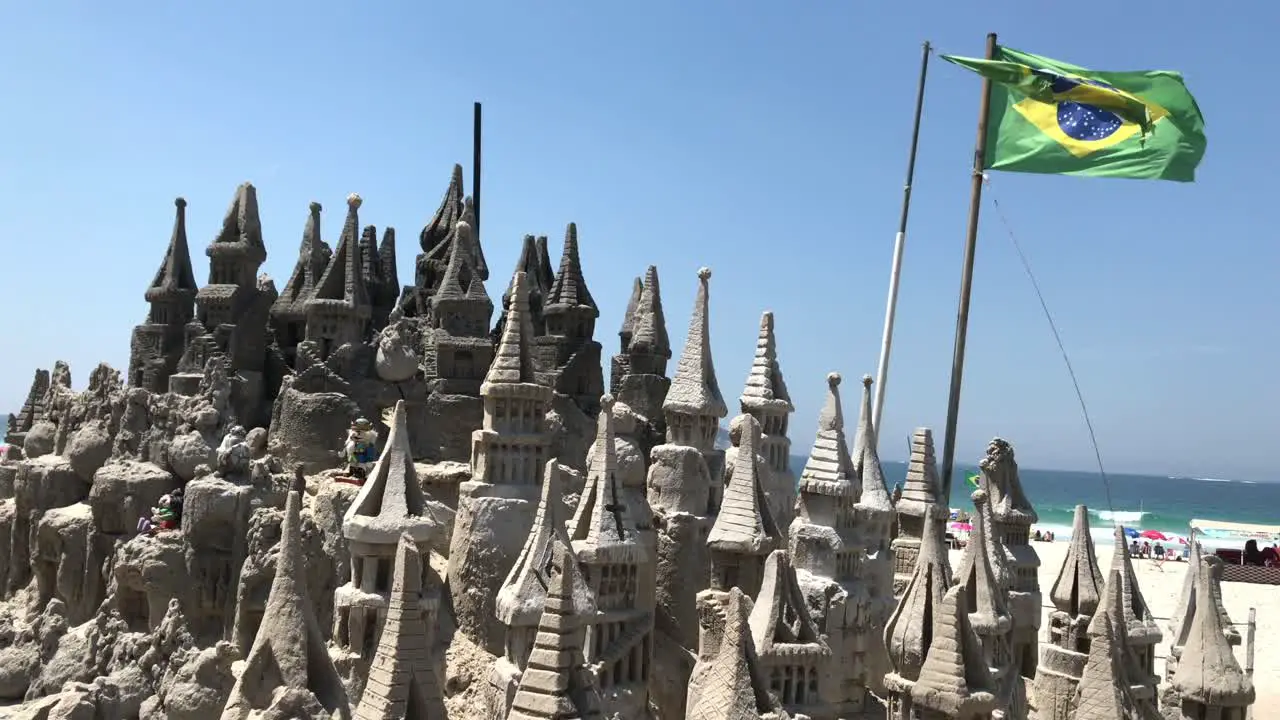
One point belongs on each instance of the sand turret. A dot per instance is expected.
(402, 683)
(954, 681)
(289, 660)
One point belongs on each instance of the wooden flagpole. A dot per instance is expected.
(966, 283)
(899, 242)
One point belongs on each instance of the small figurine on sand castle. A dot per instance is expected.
(360, 450)
(166, 515)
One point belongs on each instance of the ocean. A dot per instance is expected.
(1142, 502)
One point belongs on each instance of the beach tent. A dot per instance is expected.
(1221, 529)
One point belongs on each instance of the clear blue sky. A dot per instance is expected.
(766, 140)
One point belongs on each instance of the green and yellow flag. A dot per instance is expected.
(972, 479)
(1051, 117)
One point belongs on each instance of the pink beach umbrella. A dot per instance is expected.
(961, 527)
(1154, 535)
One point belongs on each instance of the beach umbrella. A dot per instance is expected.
(961, 527)
(1130, 532)
(1154, 535)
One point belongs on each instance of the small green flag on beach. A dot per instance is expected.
(973, 480)
(1054, 118)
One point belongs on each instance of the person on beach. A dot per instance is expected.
(1134, 549)
(1270, 556)
(1252, 556)
(1159, 550)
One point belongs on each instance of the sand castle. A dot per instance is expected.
(186, 541)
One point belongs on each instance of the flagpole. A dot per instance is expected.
(966, 282)
(899, 241)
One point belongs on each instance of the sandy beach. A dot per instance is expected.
(1161, 586)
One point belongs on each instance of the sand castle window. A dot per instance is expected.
(384, 575)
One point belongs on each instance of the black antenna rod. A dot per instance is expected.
(475, 167)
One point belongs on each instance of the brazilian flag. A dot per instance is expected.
(973, 480)
(1050, 117)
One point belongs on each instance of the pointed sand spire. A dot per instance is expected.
(694, 389)
(604, 528)
(629, 319)
(545, 274)
(1136, 620)
(313, 257)
(342, 280)
(732, 688)
(866, 459)
(988, 611)
(765, 386)
(402, 682)
(1079, 586)
(289, 650)
(527, 264)
(555, 684)
(909, 631)
(387, 260)
(513, 361)
(462, 279)
(922, 486)
(954, 678)
(1208, 672)
(175, 277)
(437, 230)
(649, 328)
(1180, 621)
(569, 288)
(781, 615)
(524, 592)
(1102, 693)
(241, 225)
(391, 501)
(829, 469)
(744, 523)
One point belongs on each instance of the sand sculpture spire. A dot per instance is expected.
(1188, 605)
(289, 312)
(1208, 677)
(1013, 517)
(391, 502)
(339, 311)
(157, 344)
(175, 279)
(508, 454)
(765, 397)
(568, 353)
(921, 489)
(694, 389)
(1079, 586)
(1135, 619)
(910, 629)
(1077, 595)
(607, 544)
(1129, 667)
(649, 324)
(555, 683)
(629, 319)
(785, 637)
(744, 531)
(513, 360)
(289, 651)
(604, 530)
(829, 469)
(569, 286)
(954, 680)
(728, 685)
(1102, 692)
(527, 264)
(523, 596)
(402, 683)
(875, 494)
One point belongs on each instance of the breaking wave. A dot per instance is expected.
(1120, 516)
